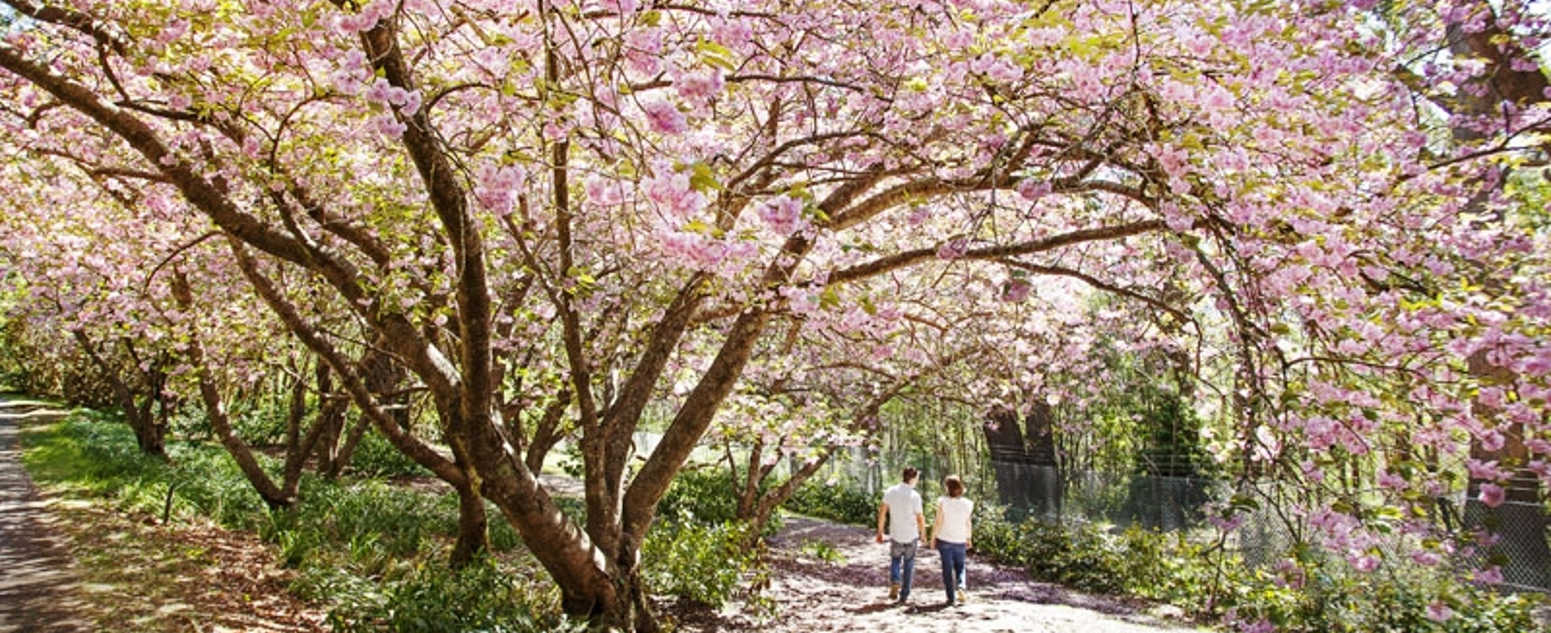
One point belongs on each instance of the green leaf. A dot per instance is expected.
(715, 55)
(829, 298)
(702, 179)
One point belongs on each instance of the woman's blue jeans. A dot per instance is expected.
(952, 567)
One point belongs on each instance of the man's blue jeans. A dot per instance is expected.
(952, 566)
(902, 565)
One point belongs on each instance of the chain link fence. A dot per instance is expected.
(1520, 541)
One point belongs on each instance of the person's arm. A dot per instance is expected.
(883, 512)
(920, 521)
(936, 525)
(969, 531)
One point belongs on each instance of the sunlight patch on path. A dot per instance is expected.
(38, 592)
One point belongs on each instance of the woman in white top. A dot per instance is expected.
(951, 536)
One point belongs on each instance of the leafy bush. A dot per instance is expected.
(705, 495)
(262, 422)
(375, 457)
(836, 503)
(1078, 555)
(436, 599)
(702, 562)
(1311, 593)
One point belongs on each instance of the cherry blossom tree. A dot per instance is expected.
(554, 214)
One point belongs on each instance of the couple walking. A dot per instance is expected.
(950, 534)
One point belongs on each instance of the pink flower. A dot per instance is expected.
(1177, 220)
(953, 249)
(1493, 441)
(665, 117)
(783, 214)
(1426, 558)
(380, 92)
(1484, 470)
(1032, 189)
(1173, 160)
(389, 126)
(411, 103)
(1260, 626)
(699, 87)
(672, 193)
(604, 192)
(1439, 612)
(496, 187)
(1365, 563)
(1226, 523)
(1492, 495)
(1490, 576)
(1016, 290)
(1392, 481)
(1540, 468)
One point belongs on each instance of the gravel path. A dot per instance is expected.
(851, 594)
(37, 590)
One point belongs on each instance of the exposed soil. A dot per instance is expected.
(851, 594)
(130, 573)
(38, 591)
(71, 565)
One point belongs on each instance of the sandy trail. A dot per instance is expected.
(851, 594)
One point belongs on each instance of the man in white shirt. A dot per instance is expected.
(901, 508)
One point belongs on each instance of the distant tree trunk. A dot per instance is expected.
(547, 433)
(331, 422)
(1028, 475)
(150, 430)
(347, 450)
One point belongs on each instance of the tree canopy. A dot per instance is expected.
(553, 217)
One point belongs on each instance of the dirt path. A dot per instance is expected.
(851, 594)
(37, 590)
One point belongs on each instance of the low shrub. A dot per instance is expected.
(435, 599)
(1308, 592)
(836, 503)
(707, 563)
(705, 495)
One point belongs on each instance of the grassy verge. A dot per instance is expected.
(369, 554)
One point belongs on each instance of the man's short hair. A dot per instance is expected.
(954, 485)
(910, 474)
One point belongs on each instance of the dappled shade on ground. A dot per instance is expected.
(38, 592)
(127, 572)
(850, 593)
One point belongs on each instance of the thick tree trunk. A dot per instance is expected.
(150, 435)
(473, 533)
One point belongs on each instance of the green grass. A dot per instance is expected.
(361, 546)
